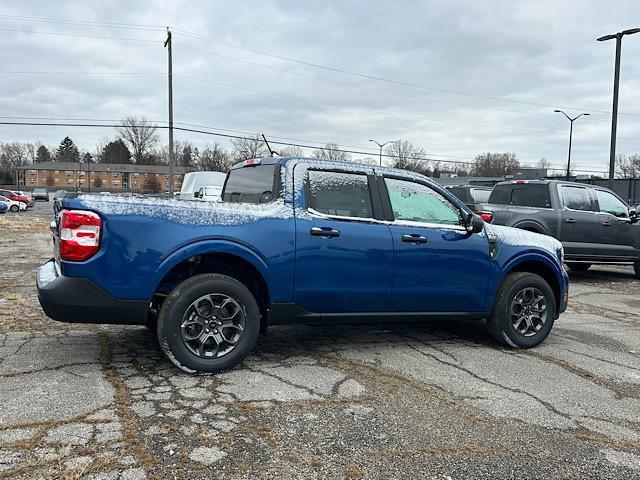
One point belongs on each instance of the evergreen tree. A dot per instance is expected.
(67, 151)
(87, 158)
(43, 155)
(115, 152)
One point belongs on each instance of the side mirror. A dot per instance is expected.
(196, 194)
(475, 223)
(633, 214)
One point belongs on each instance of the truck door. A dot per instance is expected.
(438, 265)
(578, 223)
(616, 234)
(344, 257)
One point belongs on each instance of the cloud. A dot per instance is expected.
(492, 72)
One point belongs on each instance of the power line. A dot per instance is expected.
(273, 55)
(76, 35)
(132, 26)
(376, 77)
(102, 125)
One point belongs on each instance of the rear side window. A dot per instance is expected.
(576, 198)
(251, 184)
(480, 195)
(523, 195)
(340, 194)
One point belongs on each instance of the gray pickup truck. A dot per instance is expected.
(593, 223)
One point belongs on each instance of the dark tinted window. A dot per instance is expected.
(251, 185)
(525, 195)
(480, 195)
(576, 198)
(342, 194)
(462, 193)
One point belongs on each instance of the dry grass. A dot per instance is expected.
(17, 224)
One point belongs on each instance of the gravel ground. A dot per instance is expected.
(430, 400)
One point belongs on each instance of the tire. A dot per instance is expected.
(14, 208)
(578, 267)
(500, 323)
(211, 290)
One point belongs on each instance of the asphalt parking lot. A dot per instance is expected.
(430, 400)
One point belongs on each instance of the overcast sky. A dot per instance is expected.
(484, 76)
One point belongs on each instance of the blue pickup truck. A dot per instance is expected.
(296, 240)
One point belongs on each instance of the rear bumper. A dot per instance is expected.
(78, 300)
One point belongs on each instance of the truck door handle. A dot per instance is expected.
(324, 232)
(606, 223)
(414, 238)
(570, 220)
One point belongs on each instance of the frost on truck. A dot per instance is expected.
(296, 241)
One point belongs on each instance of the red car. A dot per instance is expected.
(17, 197)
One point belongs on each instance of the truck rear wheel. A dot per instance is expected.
(208, 323)
(523, 312)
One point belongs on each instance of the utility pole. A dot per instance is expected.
(616, 86)
(167, 43)
(570, 135)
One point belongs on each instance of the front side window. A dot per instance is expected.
(576, 198)
(609, 203)
(340, 194)
(418, 203)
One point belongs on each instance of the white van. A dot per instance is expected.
(193, 181)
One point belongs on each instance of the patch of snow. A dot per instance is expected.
(47, 273)
(524, 238)
(189, 212)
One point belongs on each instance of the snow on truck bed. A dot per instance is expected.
(184, 211)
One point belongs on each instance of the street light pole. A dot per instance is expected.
(167, 44)
(380, 145)
(616, 87)
(570, 136)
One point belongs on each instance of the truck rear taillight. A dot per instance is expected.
(79, 234)
(486, 215)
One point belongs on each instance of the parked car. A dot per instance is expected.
(593, 223)
(473, 197)
(40, 194)
(296, 241)
(12, 205)
(16, 197)
(209, 193)
(3, 207)
(30, 202)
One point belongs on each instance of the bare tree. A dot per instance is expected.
(151, 183)
(628, 166)
(140, 136)
(291, 152)
(409, 157)
(543, 163)
(214, 158)
(244, 148)
(331, 151)
(495, 164)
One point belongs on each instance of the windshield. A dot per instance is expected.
(251, 184)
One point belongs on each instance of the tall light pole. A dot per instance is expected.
(167, 44)
(380, 145)
(570, 135)
(616, 86)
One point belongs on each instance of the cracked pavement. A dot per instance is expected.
(429, 400)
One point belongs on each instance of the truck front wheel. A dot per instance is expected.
(208, 323)
(523, 312)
